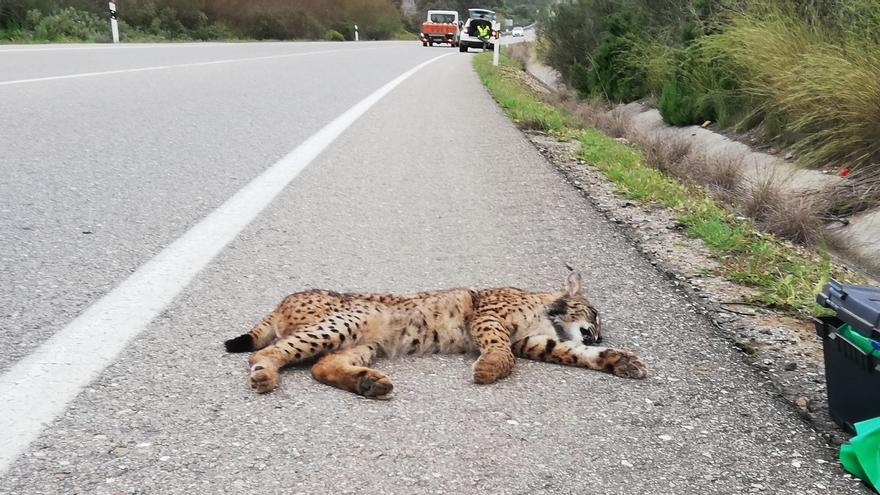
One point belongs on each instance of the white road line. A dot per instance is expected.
(40, 386)
(165, 67)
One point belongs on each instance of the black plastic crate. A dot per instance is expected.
(851, 374)
(859, 306)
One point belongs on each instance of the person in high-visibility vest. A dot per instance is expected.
(483, 34)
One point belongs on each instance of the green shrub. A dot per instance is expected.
(216, 31)
(573, 32)
(676, 104)
(333, 35)
(70, 24)
(655, 60)
(704, 87)
(612, 77)
(579, 75)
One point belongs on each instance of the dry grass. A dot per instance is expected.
(667, 154)
(588, 112)
(519, 52)
(721, 174)
(795, 217)
(757, 196)
(615, 123)
(859, 192)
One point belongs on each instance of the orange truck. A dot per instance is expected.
(442, 26)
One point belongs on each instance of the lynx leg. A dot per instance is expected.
(550, 350)
(332, 334)
(496, 360)
(347, 369)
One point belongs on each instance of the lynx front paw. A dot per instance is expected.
(626, 364)
(492, 366)
(263, 379)
(374, 384)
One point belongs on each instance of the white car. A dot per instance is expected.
(518, 32)
(469, 37)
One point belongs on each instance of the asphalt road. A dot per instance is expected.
(431, 188)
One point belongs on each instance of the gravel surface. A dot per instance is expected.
(432, 188)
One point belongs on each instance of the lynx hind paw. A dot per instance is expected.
(263, 380)
(374, 385)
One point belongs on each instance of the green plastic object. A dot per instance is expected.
(868, 346)
(861, 456)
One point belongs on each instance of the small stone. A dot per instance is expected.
(626, 463)
(801, 402)
(119, 451)
(796, 463)
(665, 438)
(512, 422)
(790, 366)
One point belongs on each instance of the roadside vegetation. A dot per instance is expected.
(804, 76)
(785, 277)
(179, 20)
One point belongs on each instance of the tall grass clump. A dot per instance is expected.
(816, 70)
(703, 87)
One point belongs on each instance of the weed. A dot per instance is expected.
(614, 123)
(668, 156)
(760, 195)
(797, 217)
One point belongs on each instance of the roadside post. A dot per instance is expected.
(114, 26)
(497, 48)
(355, 32)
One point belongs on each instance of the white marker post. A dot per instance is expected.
(114, 26)
(355, 32)
(497, 48)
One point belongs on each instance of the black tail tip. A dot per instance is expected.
(242, 343)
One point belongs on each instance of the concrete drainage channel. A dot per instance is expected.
(859, 235)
